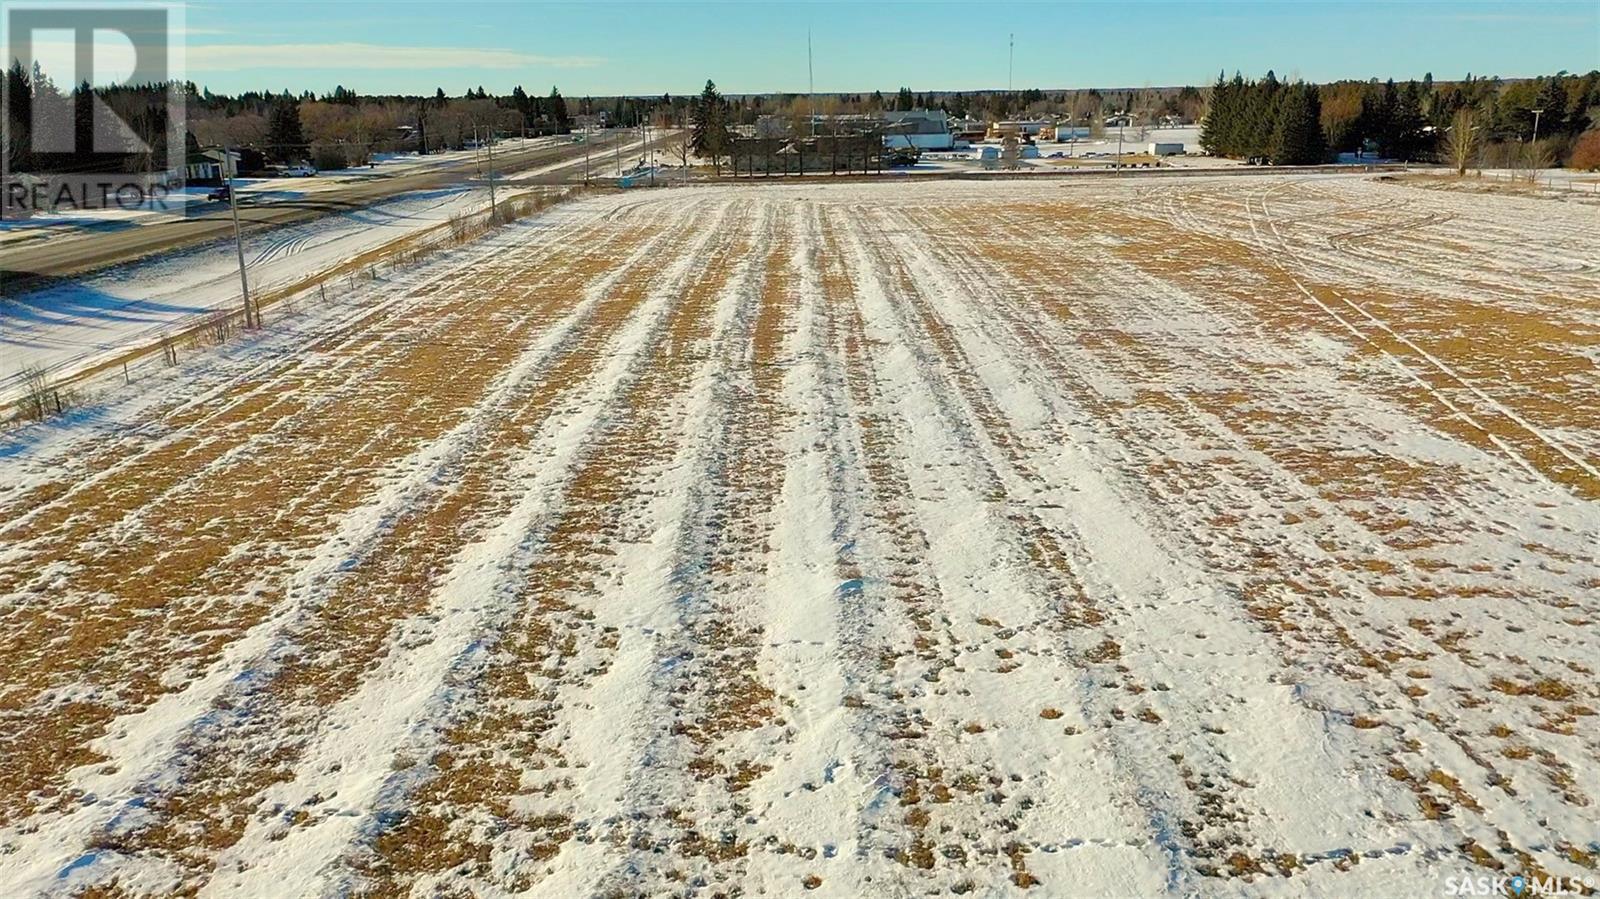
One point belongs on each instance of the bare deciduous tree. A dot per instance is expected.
(1461, 143)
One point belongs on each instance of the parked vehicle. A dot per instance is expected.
(299, 171)
(223, 194)
(901, 157)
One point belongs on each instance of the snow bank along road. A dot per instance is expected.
(53, 253)
(74, 325)
(1201, 537)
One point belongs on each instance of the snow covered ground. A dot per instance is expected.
(1099, 537)
(74, 325)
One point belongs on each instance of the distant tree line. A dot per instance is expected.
(1468, 122)
(1409, 117)
(143, 109)
(1268, 118)
(1275, 121)
(337, 129)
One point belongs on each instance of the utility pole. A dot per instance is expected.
(1535, 160)
(1120, 120)
(586, 154)
(491, 174)
(251, 319)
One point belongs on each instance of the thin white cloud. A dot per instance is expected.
(238, 57)
(1522, 18)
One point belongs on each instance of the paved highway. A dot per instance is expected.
(22, 267)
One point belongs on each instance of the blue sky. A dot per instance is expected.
(411, 46)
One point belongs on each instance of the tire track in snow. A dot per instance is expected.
(1027, 289)
(369, 603)
(1213, 785)
(963, 411)
(807, 805)
(1148, 780)
(932, 770)
(1593, 474)
(711, 706)
(507, 699)
(226, 414)
(206, 554)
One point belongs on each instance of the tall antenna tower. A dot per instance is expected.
(1011, 62)
(811, 84)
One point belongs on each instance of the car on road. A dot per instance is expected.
(223, 194)
(299, 171)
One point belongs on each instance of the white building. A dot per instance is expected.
(211, 166)
(925, 129)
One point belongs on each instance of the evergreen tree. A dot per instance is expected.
(558, 112)
(1388, 130)
(1372, 123)
(1405, 134)
(709, 123)
(1218, 114)
(1552, 98)
(286, 140)
(1236, 132)
(1297, 137)
(19, 115)
(1266, 119)
(522, 104)
(1261, 117)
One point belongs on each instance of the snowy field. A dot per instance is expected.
(74, 325)
(1096, 538)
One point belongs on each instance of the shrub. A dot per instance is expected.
(329, 157)
(37, 402)
(1586, 153)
